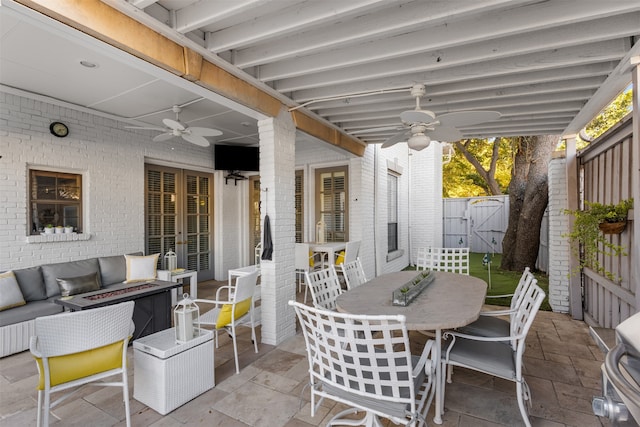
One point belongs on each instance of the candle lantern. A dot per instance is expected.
(170, 261)
(186, 317)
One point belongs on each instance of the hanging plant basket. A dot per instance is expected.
(612, 227)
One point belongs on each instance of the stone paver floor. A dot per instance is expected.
(562, 369)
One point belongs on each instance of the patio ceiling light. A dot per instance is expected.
(419, 141)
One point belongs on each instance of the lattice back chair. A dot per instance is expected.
(257, 254)
(454, 260)
(325, 287)
(498, 356)
(82, 348)
(353, 273)
(423, 259)
(237, 310)
(365, 362)
(489, 324)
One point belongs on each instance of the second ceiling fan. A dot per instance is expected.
(420, 126)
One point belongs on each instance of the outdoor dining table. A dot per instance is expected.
(329, 248)
(450, 301)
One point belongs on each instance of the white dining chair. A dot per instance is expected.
(305, 261)
(365, 362)
(454, 260)
(353, 273)
(350, 253)
(325, 287)
(498, 356)
(422, 258)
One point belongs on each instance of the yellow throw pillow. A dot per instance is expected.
(340, 258)
(80, 365)
(141, 268)
(224, 318)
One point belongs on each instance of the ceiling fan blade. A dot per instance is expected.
(163, 137)
(445, 134)
(396, 138)
(196, 139)
(380, 129)
(146, 128)
(197, 131)
(173, 124)
(417, 116)
(467, 118)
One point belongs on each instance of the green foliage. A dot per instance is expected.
(620, 107)
(587, 237)
(460, 179)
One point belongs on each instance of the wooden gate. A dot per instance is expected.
(476, 222)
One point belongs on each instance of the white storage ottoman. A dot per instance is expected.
(167, 375)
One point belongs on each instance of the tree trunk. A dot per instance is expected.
(528, 200)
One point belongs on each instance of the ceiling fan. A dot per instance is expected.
(173, 128)
(420, 126)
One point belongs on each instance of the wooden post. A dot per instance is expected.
(575, 283)
(635, 177)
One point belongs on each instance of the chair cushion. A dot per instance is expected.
(79, 285)
(487, 326)
(494, 358)
(28, 312)
(10, 293)
(141, 268)
(80, 365)
(392, 408)
(224, 318)
(340, 258)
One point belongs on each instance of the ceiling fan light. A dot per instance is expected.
(418, 141)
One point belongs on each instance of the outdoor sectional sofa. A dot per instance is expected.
(40, 288)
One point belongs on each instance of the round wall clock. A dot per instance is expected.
(59, 129)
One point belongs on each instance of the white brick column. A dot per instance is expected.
(277, 184)
(559, 248)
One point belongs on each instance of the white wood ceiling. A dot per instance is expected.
(547, 66)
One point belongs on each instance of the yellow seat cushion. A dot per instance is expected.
(312, 262)
(340, 259)
(224, 318)
(81, 365)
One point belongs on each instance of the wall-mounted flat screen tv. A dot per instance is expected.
(236, 158)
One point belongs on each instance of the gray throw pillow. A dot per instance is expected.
(79, 285)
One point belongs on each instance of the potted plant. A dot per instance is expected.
(48, 229)
(59, 229)
(591, 227)
(68, 229)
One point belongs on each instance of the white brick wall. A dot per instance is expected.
(111, 160)
(559, 249)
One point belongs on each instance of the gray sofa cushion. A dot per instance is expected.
(113, 269)
(31, 283)
(29, 312)
(51, 272)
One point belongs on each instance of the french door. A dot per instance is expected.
(178, 217)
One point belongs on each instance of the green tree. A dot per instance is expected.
(620, 107)
(481, 168)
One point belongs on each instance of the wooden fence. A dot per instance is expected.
(605, 169)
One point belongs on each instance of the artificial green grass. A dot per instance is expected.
(502, 281)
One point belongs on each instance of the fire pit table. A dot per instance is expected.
(152, 312)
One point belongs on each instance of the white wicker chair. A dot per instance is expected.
(237, 310)
(325, 287)
(498, 356)
(489, 324)
(454, 260)
(365, 362)
(82, 348)
(353, 273)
